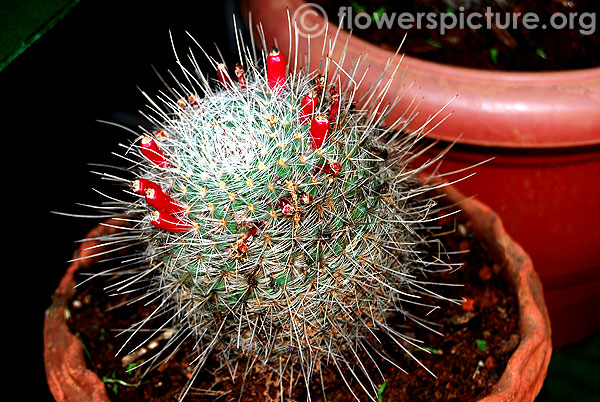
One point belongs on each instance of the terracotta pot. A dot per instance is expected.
(68, 377)
(543, 128)
(70, 380)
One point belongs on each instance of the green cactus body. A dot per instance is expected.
(300, 277)
(270, 246)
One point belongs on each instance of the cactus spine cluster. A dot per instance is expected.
(279, 220)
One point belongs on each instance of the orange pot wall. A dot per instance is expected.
(548, 201)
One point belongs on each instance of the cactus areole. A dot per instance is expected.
(278, 220)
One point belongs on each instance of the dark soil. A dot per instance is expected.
(503, 47)
(480, 336)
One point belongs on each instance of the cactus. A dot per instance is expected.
(278, 220)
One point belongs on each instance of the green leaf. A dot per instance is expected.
(430, 350)
(378, 13)
(494, 55)
(380, 391)
(434, 43)
(130, 367)
(85, 349)
(540, 52)
(481, 344)
(358, 8)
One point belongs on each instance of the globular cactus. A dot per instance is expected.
(279, 220)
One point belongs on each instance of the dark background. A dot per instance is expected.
(90, 66)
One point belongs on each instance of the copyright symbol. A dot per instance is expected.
(311, 19)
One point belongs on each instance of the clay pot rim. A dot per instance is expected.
(531, 358)
(493, 108)
(529, 362)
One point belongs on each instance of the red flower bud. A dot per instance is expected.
(239, 73)
(193, 101)
(151, 151)
(329, 168)
(286, 206)
(319, 128)
(336, 167)
(164, 221)
(334, 106)
(223, 75)
(319, 85)
(307, 107)
(276, 71)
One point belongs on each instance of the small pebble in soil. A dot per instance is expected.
(485, 273)
(468, 304)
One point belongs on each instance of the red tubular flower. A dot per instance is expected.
(139, 186)
(239, 73)
(223, 75)
(276, 71)
(151, 151)
(319, 128)
(158, 199)
(164, 221)
(246, 237)
(307, 107)
(243, 247)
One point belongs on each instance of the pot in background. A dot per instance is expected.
(541, 128)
